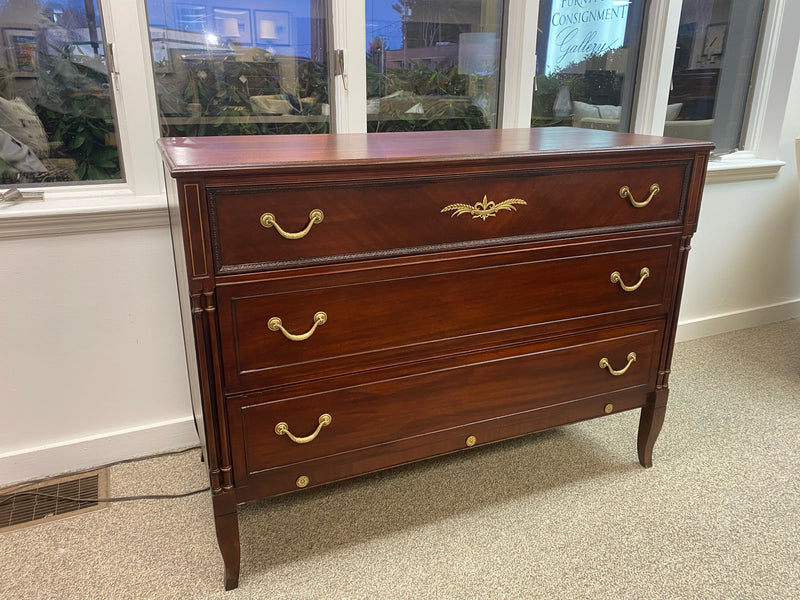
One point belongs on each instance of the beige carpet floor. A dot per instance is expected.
(565, 514)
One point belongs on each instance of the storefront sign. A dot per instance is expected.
(581, 28)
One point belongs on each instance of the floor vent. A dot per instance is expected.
(53, 499)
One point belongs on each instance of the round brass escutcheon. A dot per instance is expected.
(608, 408)
(302, 481)
(471, 440)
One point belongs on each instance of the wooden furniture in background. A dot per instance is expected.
(696, 89)
(355, 302)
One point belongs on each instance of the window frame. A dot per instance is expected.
(349, 90)
(759, 138)
(139, 201)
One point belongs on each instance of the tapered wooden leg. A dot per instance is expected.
(650, 423)
(227, 525)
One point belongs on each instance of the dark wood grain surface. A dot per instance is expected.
(369, 217)
(532, 376)
(266, 153)
(407, 314)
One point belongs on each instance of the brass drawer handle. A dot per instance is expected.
(485, 208)
(283, 429)
(604, 364)
(625, 192)
(275, 324)
(315, 216)
(617, 278)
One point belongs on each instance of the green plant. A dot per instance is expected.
(438, 91)
(74, 106)
(313, 80)
(548, 86)
(418, 79)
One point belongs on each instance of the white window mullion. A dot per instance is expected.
(137, 113)
(658, 55)
(350, 88)
(779, 43)
(520, 63)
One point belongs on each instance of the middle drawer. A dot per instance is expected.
(295, 328)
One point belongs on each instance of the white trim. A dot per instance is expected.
(769, 95)
(135, 96)
(655, 71)
(82, 214)
(519, 63)
(741, 166)
(350, 34)
(797, 152)
(752, 317)
(89, 452)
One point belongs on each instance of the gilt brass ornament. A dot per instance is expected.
(485, 208)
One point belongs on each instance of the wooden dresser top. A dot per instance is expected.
(280, 152)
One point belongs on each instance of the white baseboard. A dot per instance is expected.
(31, 464)
(697, 328)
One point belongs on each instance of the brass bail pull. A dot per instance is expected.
(604, 364)
(625, 192)
(275, 324)
(283, 429)
(315, 216)
(617, 278)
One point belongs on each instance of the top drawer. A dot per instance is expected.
(332, 221)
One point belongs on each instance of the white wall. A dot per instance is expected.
(91, 358)
(744, 266)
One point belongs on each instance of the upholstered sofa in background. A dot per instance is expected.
(606, 116)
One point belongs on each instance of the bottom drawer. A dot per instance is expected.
(366, 460)
(392, 418)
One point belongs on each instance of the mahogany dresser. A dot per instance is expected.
(354, 302)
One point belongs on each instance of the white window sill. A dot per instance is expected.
(741, 166)
(82, 210)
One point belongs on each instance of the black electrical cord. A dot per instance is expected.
(113, 499)
(9, 494)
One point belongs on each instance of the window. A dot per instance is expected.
(432, 64)
(714, 56)
(586, 60)
(56, 114)
(150, 99)
(240, 67)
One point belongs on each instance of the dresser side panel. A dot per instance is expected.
(182, 280)
(696, 187)
(193, 317)
(695, 194)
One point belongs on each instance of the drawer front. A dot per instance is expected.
(378, 317)
(365, 460)
(453, 392)
(367, 219)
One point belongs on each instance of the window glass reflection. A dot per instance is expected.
(239, 67)
(586, 58)
(432, 64)
(56, 112)
(710, 75)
